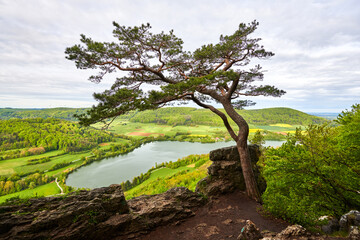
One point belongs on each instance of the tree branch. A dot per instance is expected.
(220, 114)
(233, 87)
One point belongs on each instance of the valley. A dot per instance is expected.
(40, 143)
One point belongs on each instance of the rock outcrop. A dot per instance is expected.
(97, 214)
(225, 174)
(349, 219)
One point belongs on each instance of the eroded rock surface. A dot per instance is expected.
(97, 214)
(225, 174)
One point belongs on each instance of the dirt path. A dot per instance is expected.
(222, 218)
(57, 183)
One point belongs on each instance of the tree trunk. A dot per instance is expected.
(252, 189)
(241, 143)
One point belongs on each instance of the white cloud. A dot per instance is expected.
(317, 44)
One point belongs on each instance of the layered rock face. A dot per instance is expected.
(225, 174)
(98, 214)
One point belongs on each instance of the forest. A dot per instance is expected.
(60, 113)
(25, 137)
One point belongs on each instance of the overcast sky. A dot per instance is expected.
(316, 45)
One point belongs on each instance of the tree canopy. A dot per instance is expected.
(216, 72)
(213, 71)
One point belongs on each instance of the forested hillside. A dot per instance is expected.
(17, 136)
(60, 113)
(176, 116)
(189, 116)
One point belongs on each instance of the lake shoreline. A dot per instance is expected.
(161, 150)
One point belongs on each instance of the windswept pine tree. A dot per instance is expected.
(214, 73)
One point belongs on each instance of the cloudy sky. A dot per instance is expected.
(316, 45)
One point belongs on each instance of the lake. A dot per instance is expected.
(125, 167)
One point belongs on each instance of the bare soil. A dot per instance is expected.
(221, 218)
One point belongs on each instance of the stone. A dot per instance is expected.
(332, 225)
(225, 174)
(354, 233)
(249, 232)
(292, 231)
(349, 219)
(227, 221)
(231, 153)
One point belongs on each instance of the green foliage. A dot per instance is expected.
(15, 183)
(213, 71)
(24, 195)
(59, 113)
(192, 116)
(316, 172)
(26, 137)
(59, 165)
(258, 138)
(194, 158)
(183, 178)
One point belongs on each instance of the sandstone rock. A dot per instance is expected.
(97, 214)
(225, 173)
(148, 212)
(292, 231)
(249, 232)
(61, 217)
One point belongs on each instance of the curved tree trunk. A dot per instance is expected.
(250, 182)
(242, 146)
(241, 143)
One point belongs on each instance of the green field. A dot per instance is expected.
(130, 128)
(43, 190)
(10, 166)
(141, 130)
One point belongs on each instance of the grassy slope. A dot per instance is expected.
(165, 178)
(43, 190)
(10, 166)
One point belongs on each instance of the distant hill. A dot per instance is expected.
(59, 113)
(188, 116)
(175, 116)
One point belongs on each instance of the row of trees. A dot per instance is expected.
(316, 172)
(16, 183)
(24, 136)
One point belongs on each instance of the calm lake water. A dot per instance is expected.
(125, 167)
